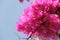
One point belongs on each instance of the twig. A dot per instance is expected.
(35, 30)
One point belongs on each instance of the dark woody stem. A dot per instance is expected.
(35, 30)
(33, 33)
(30, 36)
(59, 35)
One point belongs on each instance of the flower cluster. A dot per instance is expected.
(41, 18)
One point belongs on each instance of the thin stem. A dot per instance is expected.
(35, 30)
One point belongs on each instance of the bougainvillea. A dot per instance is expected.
(41, 19)
(23, 1)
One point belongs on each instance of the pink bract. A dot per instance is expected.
(41, 14)
(23, 1)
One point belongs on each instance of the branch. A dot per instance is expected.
(35, 30)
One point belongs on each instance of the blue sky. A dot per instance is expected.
(10, 11)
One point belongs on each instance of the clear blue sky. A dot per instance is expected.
(10, 11)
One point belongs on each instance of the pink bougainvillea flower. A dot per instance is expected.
(23, 1)
(41, 19)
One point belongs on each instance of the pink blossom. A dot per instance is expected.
(41, 18)
(23, 1)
